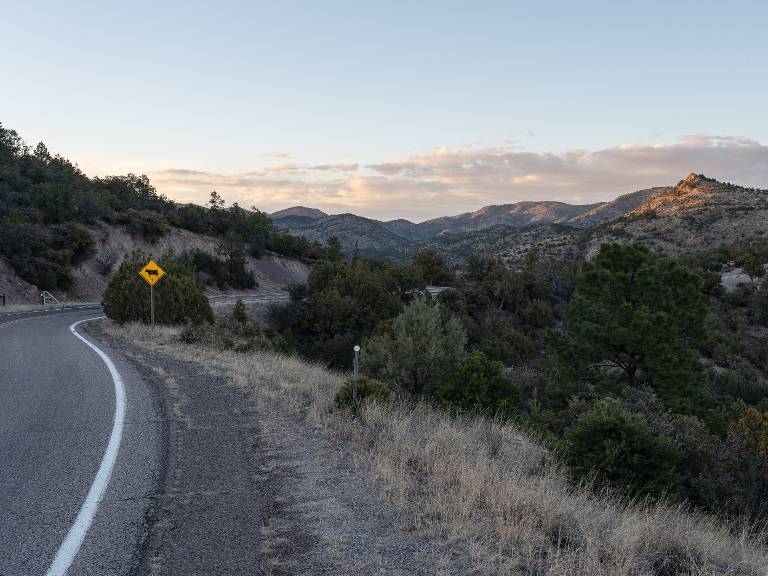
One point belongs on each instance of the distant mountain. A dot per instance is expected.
(408, 229)
(698, 213)
(298, 211)
(392, 238)
(695, 214)
(511, 243)
(617, 207)
(518, 214)
(369, 237)
(295, 222)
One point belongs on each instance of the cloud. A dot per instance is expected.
(449, 181)
(276, 154)
(349, 167)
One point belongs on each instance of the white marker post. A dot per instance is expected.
(355, 368)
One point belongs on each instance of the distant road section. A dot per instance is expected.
(733, 278)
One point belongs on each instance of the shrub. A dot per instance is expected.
(620, 448)
(752, 431)
(421, 352)
(230, 272)
(298, 292)
(761, 304)
(42, 255)
(146, 223)
(497, 338)
(366, 389)
(213, 335)
(538, 313)
(479, 383)
(178, 297)
(221, 336)
(342, 303)
(239, 313)
(432, 267)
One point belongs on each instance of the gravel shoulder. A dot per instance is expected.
(253, 487)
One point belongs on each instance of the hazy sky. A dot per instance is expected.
(393, 109)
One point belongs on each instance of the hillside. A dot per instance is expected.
(434, 469)
(698, 213)
(369, 237)
(511, 243)
(64, 232)
(298, 211)
(616, 207)
(408, 229)
(396, 238)
(271, 271)
(518, 214)
(497, 228)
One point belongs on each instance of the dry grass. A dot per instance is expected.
(486, 488)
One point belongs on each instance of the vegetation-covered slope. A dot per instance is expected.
(518, 214)
(495, 497)
(355, 233)
(642, 375)
(698, 213)
(52, 219)
(617, 207)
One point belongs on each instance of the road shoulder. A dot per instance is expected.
(253, 488)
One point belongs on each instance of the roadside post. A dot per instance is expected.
(355, 370)
(151, 274)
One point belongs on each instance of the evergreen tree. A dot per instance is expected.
(178, 297)
(239, 313)
(479, 382)
(635, 314)
(421, 350)
(620, 448)
(334, 248)
(432, 267)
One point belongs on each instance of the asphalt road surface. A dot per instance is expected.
(77, 461)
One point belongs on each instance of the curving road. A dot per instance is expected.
(57, 407)
(57, 414)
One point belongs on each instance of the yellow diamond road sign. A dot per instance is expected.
(152, 273)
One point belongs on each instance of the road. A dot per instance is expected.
(731, 279)
(61, 448)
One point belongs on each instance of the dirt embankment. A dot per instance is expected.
(113, 243)
(16, 290)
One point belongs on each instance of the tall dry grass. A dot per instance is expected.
(484, 487)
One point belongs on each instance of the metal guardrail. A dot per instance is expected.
(45, 296)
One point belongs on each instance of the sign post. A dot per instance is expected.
(152, 274)
(355, 369)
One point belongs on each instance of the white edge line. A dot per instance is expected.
(71, 544)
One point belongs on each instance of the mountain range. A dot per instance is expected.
(696, 213)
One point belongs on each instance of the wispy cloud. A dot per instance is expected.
(276, 154)
(348, 167)
(448, 181)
